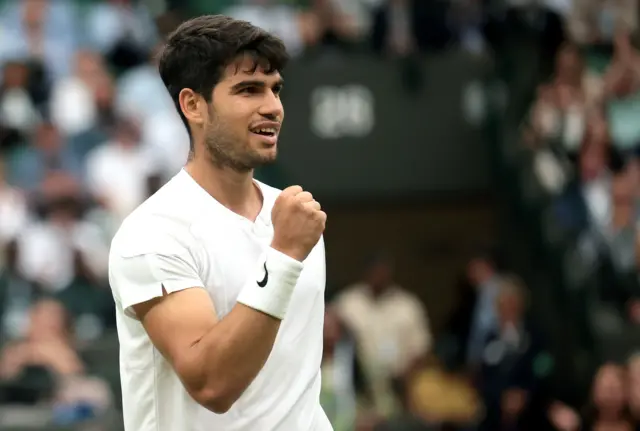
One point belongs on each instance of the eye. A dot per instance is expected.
(250, 90)
(277, 89)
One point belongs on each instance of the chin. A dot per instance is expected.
(261, 158)
(268, 153)
(267, 160)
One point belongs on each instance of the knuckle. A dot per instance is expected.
(304, 197)
(292, 191)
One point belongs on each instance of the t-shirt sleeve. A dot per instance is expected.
(138, 272)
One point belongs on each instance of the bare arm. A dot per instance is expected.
(216, 359)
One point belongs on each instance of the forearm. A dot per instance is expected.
(231, 355)
(234, 350)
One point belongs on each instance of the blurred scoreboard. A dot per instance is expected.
(371, 128)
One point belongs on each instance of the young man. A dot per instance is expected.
(219, 279)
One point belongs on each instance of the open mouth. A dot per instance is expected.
(269, 132)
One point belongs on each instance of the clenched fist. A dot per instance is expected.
(298, 223)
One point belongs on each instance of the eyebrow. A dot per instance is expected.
(255, 83)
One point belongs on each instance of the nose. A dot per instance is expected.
(271, 107)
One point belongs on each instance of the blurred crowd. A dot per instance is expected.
(87, 132)
(582, 138)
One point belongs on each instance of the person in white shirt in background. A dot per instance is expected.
(219, 279)
(117, 170)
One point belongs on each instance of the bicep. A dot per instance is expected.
(176, 322)
(156, 280)
(165, 293)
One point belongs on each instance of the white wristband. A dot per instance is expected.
(271, 284)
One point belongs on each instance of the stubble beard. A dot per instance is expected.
(227, 151)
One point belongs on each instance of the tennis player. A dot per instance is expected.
(219, 279)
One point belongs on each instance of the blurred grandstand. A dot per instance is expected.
(483, 154)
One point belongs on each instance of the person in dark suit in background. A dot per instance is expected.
(513, 364)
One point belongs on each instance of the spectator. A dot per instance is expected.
(121, 193)
(346, 21)
(633, 372)
(623, 75)
(508, 379)
(471, 17)
(141, 96)
(72, 104)
(18, 114)
(485, 279)
(48, 246)
(48, 343)
(141, 93)
(562, 105)
(46, 154)
(622, 93)
(121, 30)
(165, 143)
(622, 234)
(297, 29)
(43, 33)
(394, 31)
(87, 299)
(594, 22)
(344, 396)
(45, 365)
(391, 330)
(587, 201)
(13, 209)
(17, 294)
(607, 409)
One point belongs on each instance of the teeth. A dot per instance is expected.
(267, 130)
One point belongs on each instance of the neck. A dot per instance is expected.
(234, 190)
(484, 279)
(378, 291)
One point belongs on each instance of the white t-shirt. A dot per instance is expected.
(181, 238)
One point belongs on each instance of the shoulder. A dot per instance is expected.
(147, 232)
(408, 299)
(153, 250)
(162, 224)
(353, 293)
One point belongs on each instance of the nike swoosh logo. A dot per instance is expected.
(263, 282)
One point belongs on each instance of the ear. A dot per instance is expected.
(193, 106)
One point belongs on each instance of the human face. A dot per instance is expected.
(569, 65)
(609, 391)
(244, 117)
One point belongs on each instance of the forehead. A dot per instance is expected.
(248, 67)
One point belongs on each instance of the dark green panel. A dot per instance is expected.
(353, 129)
